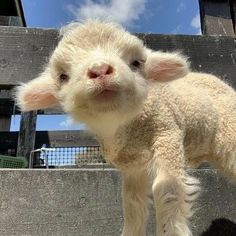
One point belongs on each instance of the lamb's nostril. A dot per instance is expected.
(92, 75)
(100, 71)
(109, 70)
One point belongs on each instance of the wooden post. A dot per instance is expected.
(5, 118)
(26, 137)
(233, 13)
(217, 17)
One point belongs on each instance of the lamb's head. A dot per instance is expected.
(99, 69)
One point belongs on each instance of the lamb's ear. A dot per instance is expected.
(161, 66)
(37, 94)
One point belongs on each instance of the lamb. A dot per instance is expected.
(152, 116)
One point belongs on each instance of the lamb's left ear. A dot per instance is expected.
(161, 66)
(37, 94)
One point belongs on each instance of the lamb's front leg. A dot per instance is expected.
(173, 190)
(135, 203)
(173, 199)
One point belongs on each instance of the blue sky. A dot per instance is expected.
(150, 16)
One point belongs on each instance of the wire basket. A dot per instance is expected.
(13, 162)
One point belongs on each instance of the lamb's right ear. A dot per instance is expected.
(163, 66)
(37, 94)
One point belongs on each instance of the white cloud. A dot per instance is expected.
(66, 123)
(177, 30)
(181, 7)
(125, 13)
(196, 23)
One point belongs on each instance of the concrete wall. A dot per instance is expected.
(88, 203)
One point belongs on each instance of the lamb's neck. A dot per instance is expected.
(107, 129)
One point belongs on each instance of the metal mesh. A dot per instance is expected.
(69, 156)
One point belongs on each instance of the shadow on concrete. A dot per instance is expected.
(221, 227)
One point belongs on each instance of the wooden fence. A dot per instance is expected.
(25, 51)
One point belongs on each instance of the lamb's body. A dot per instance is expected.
(152, 117)
(199, 106)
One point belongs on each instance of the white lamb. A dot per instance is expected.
(151, 115)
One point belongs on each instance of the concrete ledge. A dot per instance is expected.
(88, 203)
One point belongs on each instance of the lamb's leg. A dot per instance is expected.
(135, 203)
(173, 190)
(173, 198)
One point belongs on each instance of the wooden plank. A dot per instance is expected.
(86, 202)
(211, 54)
(24, 52)
(216, 18)
(7, 107)
(77, 138)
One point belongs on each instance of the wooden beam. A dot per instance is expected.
(32, 48)
(24, 52)
(216, 17)
(77, 138)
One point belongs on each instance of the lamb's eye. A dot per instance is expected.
(136, 64)
(63, 78)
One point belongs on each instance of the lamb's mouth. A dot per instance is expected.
(106, 94)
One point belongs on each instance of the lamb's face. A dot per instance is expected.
(99, 73)
(98, 69)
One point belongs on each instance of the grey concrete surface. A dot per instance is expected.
(88, 203)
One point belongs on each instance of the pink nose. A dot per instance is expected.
(100, 71)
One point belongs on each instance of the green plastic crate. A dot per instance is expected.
(13, 162)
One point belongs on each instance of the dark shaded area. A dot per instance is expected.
(221, 227)
(8, 8)
(12, 8)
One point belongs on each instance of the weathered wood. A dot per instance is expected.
(5, 112)
(8, 107)
(88, 202)
(24, 52)
(216, 17)
(5, 123)
(10, 20)
(26, 137)
(8, 140)
(11, 13)
(13, 8)
(8, 8)
(20, 13)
